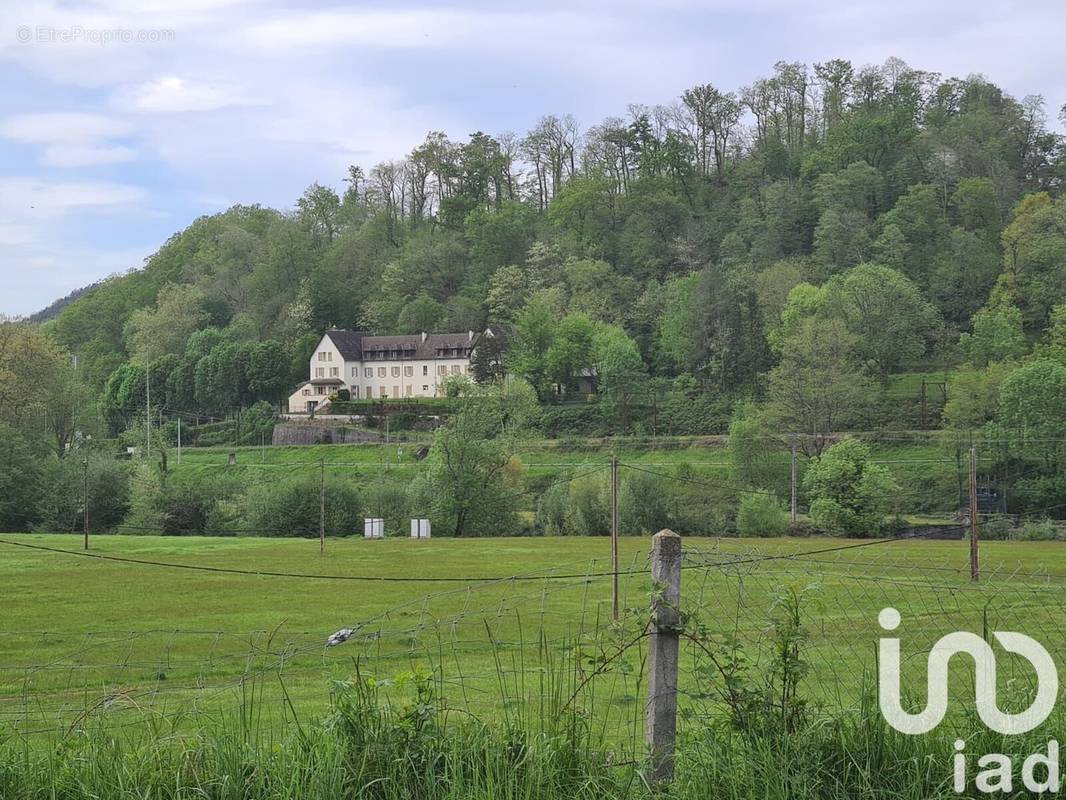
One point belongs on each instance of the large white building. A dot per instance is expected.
(380, 367)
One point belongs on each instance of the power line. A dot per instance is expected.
(312, 576)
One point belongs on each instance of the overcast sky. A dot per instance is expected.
(109, 147)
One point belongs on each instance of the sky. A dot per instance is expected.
(121, 121)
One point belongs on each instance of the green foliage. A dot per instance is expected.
(22, 487)
(643, 507)
(848, 494)
(108, 483)
(761, 514)
(997, 336)
(553, 508)
(470, 474)
(589, 510)
(291, 507)
(754, 450)
(1032, 412)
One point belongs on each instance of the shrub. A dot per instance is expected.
(761, 514)
(291, 507)
(553, 508)
(642, 506)
(1040, 530)
(997, 528)
(589, 513)
(849, 495)
(389, 500)
(109, 493)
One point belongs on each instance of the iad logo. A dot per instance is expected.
(985, 689)
(997, 772)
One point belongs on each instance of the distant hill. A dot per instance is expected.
(56, 308)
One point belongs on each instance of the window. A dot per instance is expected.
(395, 390)
(396, 372)
(442, 369)
(381, 391)
(320, 390)
(325, 356)
(455, 369)
(320, 372)
(369, 392)
(321, 356)
(425, 369)
(334, 372)
(382, 372)
(355, 372)
(368, 372)
(407, 390)
(425, 388)
(408, 372)
(307, 392)
(355, 392)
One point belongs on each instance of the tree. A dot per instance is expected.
(319, 209)
(266, 371)
(1034, 254)
(471, 472)
(997, 336)
(30, 363)
(817, 387)
(178, 313)
(421, 314)
(1032, 413)
(755, 451)
(570, 354)
(21, 483)
(487, 363)
(508, 289)
(848, 494)
(885, 311)
(534, 334)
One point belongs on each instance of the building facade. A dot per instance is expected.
(383, 367)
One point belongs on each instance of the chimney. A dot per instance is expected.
(424, 334)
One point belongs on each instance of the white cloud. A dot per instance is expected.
(71, 139)
(176, 95)
(86, 155)
(418, 28)
(29, 198)
(61, 127)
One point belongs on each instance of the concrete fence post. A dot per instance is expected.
(660, 714)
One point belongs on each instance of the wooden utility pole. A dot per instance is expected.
(924, 404)
(793, 504)
(322, 505)
(614, 533)
(975, 569)
(85, 500)
(179, 438)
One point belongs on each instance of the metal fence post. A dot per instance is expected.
(660, 714)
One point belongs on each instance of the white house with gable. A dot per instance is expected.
(383, 367)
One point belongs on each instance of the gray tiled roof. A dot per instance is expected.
(356, 346)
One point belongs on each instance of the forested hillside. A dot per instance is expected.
(781, 254)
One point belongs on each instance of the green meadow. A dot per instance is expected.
(494, 623)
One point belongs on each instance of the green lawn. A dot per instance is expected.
(84, 639)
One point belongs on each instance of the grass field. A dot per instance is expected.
(86, 639)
